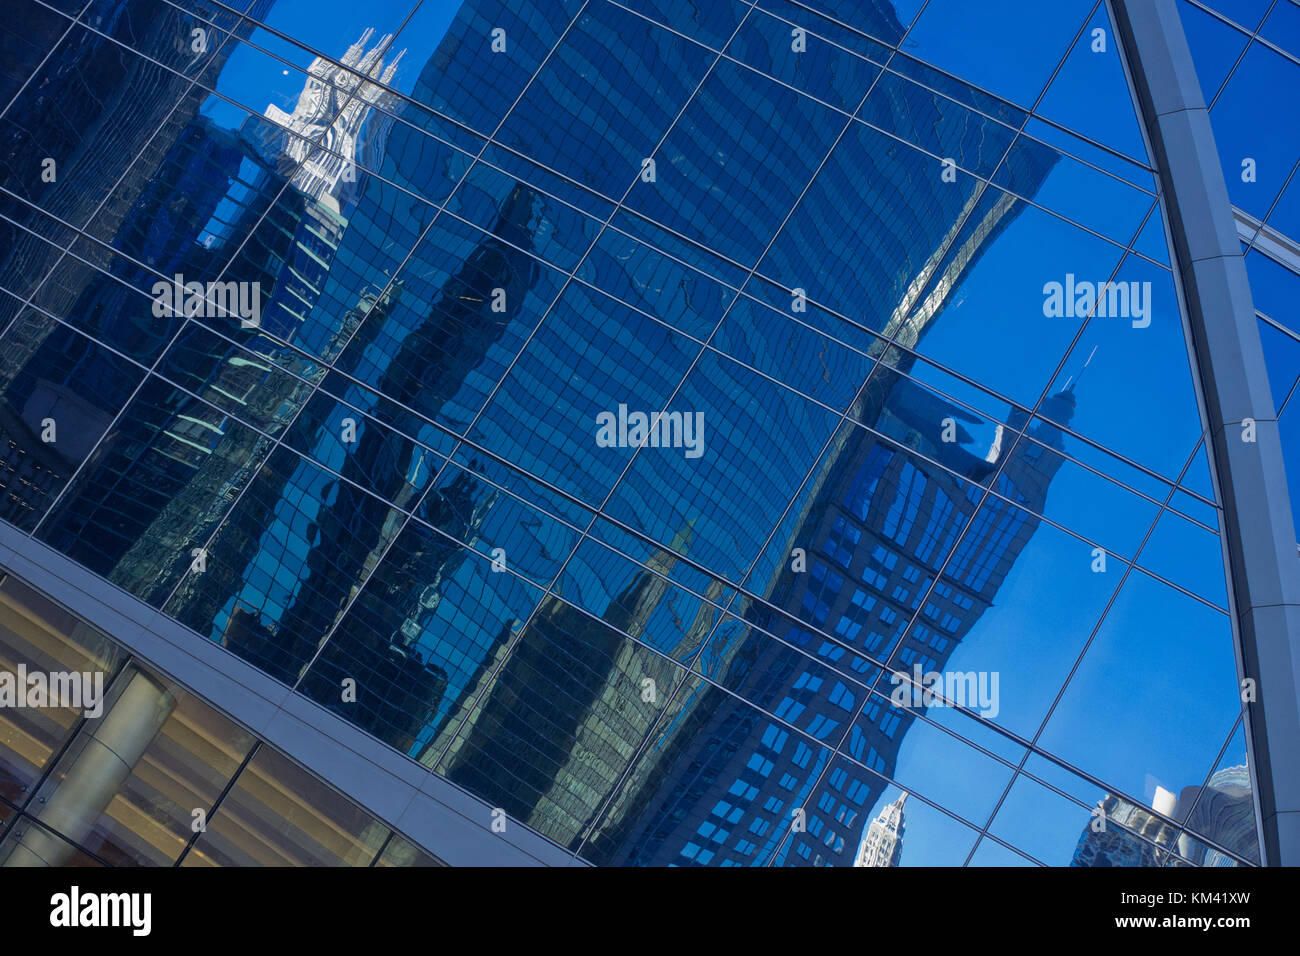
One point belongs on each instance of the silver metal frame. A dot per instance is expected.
(1258, 532)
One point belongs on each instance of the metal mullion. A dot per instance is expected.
(216, 804)
(1264, 223)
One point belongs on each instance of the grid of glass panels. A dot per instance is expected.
(895, 275)
(146, 774)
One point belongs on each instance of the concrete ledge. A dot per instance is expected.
(428, 810)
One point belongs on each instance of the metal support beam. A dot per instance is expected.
(1258, 531)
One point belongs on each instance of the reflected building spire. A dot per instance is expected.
(332, 107)
(882, 841)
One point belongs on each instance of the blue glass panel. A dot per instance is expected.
(516, 481)
(1247, 13)
(638, 600)
(30, 245)
(737, 417)
(284, 564)
(653, 282)
(957, 89)
(1077, 191)
(761, 627)
(1047, 825)
(390, 413)
(793, 353)
(557, 232)
(466, 72)
(781, 678)
(1187, 555)
(846, 35)
(682, 572)
(1285, 215)
(1282, 356)
(1164, 725)
(462, 307)
(852, 242)
(364, 253)
(1090, 94)
(589, 357)
(1076, 497)
(718, 782)
(30, 32)
(818, 67)
(240, 383)
(1141, 341)
(1084, 151)
(709, 23)
(937, 124)
(59, 393)
(560, 721)
(681, 247)
(580, 197)
(881, 19)
(581, 119)
(973, 42)
(154, 490)
(1192, 507)
(990, 853)
(507, 531)
(736, 161)
(110, 103)
(363, 450)
(302, 20)
(1152, 241)
(926, 760)
(425, 631)
(1274, 289)
(1215, 47)
(1243, 129)
(925, 834)
(1197, 477)
(989, 313)
(1004, 626)
(1283, 27)
(1221, 811)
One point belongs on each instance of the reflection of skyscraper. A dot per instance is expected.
(356, 524)
(575, 759)
(1125, 834)
(1222, 810)
(882, 842)
(876, 527)
(330, 112)
(178, 480)
(94, 109)
(164, 162)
